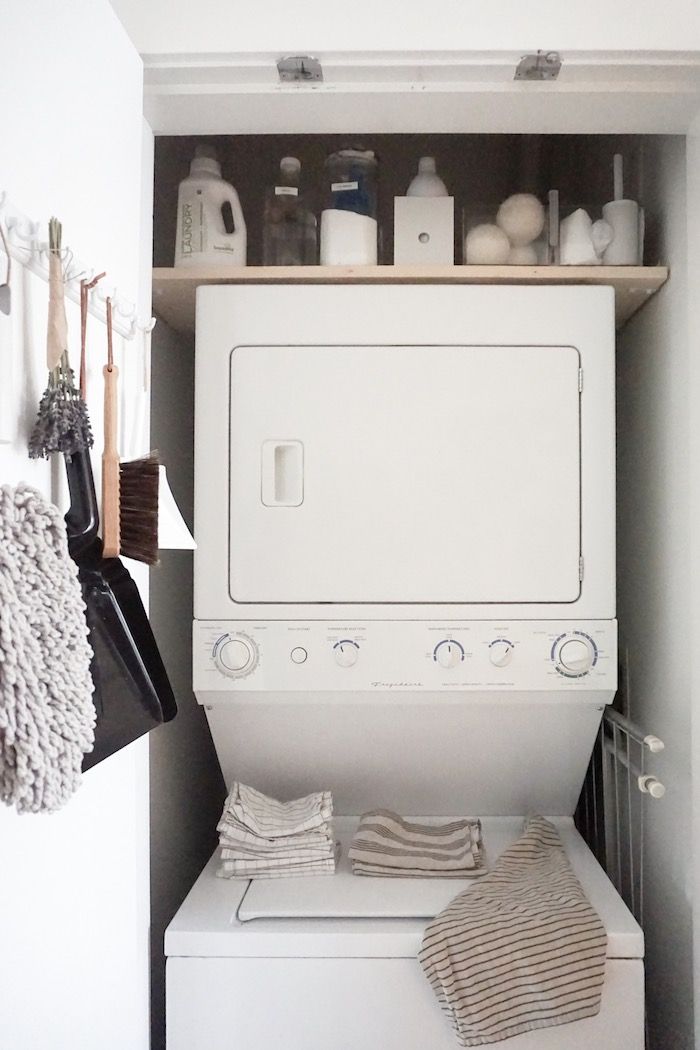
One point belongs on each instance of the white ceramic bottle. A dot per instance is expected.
(211, 230)
(427, 183)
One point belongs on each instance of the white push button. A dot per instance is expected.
(299, 655)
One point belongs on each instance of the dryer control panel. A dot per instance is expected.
(316, 656)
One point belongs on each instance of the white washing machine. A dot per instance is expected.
(404, 592)
(329, 963)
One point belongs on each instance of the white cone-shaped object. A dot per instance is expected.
(173, 534)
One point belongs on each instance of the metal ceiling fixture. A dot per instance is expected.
(545, 65)
(299, 69)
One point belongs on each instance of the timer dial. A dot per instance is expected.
(236, 655)
(575, 654)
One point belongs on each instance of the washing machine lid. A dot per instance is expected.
(405, 474)
(348, 896)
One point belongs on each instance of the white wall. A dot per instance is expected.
(655, 595)
(219, 26)
(73, 886)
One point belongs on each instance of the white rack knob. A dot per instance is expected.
(649, 785)
(654, 744)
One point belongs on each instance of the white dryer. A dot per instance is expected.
(404, 452)
(405, 593)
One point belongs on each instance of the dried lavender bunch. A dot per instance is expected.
(62, 423)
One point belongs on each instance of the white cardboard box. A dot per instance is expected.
(424, 230)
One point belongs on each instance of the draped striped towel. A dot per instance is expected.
(263, 838)
(522, 950)
(386, 844)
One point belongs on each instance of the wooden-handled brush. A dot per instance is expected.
(110, 453)
(138, 486)
(129, 490)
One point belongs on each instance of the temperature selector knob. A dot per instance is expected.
(501, 652)
(448, 653)
(236, 655)
(575, 655)
(345, 653)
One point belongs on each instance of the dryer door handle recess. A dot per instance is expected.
(282, 473)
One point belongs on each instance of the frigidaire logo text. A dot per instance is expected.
(397, 685)
(187, 229)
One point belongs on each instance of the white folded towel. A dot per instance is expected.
(271, 819)
(263, 838)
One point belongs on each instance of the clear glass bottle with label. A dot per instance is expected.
(289, 227)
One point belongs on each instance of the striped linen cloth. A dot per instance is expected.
(387, 845)
(523, 950)
(263, 838)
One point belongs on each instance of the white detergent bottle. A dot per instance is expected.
(211, 229)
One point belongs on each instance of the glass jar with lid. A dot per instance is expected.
(349, 216)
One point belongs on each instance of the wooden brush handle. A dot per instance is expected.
(110, 466)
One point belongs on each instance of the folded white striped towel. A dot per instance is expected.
(259, 868)
(278, 858)
(322, 847)
(263, 838)
(387, 845)
(520, 951)
(271, 819)
(232, 833)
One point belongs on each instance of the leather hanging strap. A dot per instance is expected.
(110, 453)
(85, 289)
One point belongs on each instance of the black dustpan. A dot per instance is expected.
(132, 692)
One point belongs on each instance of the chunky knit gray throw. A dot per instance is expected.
(47, 716)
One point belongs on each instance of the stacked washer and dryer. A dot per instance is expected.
(404, 593)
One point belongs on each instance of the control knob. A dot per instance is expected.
(448, 653)
(575, 655)
(346, 653)
(501, 652)
(236, 655)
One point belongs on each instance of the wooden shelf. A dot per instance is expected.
(174, 289)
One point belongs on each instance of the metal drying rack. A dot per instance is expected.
(30, 251)
(610, 813)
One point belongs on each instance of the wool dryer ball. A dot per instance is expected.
(486, 245)
(523, 256)
(521, 217)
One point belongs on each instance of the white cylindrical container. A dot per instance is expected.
(623, 217)
(348, 239)
(211, 229)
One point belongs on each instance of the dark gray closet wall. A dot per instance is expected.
(186, 786)
(187, 789)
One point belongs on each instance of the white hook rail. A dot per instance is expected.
(27, 248)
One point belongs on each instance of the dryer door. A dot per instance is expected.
(405, 474)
